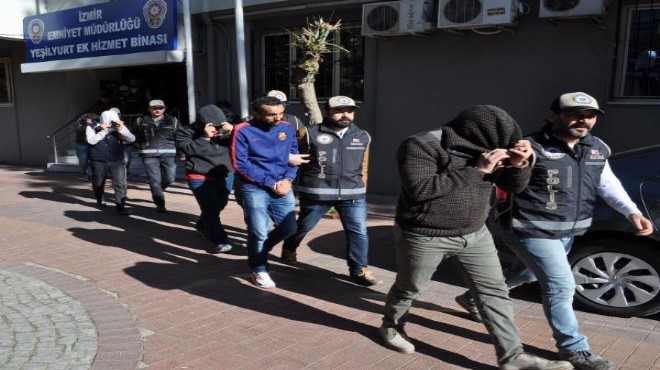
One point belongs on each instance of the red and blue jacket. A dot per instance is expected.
(260, 153)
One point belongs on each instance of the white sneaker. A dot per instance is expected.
(396, 339)
(223, 248)
(262, 280)
(524, 361)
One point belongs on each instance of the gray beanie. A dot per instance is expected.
(211, 114)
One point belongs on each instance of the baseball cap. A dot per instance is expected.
(116, 110)
(340, 102)
(277, 94)
(156, 103)
(575, 102)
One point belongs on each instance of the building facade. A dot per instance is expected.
(407, 80)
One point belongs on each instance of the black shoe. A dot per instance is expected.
(100, 204)
(585, 360)
(123, 210)
(161, 209)
(469, 306)
(289, 257)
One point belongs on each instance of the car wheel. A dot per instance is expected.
(617, 277)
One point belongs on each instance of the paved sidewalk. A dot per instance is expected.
(82, 287)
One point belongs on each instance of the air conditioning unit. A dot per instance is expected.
(476, 13)
(398, 17)
(571, 8)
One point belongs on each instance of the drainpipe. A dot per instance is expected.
(190, 73)
(211, 81)
(240, 54)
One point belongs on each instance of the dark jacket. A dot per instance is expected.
(560, 197)
(442, 193)
(202, 155)
(109, 148)
(334, 171)
(81, 130)
(157, 140)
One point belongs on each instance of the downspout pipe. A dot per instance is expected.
(240, 55)
(190, 71)
(211, 81)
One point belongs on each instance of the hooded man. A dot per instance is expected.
(210, 176)
(447, 179)
(107, 156)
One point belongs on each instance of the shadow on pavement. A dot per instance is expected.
(225, 278)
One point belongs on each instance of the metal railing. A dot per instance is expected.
(64, 135)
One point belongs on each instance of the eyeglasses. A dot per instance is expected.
(157, 108)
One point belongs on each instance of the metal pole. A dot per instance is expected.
(55, 150)
(240, 54)
(190, 72)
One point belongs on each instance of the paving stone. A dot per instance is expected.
(198, 311)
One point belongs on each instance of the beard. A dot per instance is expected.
(572, 131)
(339, 124)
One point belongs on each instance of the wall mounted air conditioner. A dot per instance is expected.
(476, 13)
(571, 8)
(398, 17)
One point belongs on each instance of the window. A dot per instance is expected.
(6, 93)
(339, 73)
(638, 67)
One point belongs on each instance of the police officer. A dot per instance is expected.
(156, 138)
(571, 171)
(334, 177)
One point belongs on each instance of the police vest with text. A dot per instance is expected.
(560, 198)
(334, 171)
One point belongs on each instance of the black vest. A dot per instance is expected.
(560, 197)
(157, 140)
(109, 149)
(334, 171)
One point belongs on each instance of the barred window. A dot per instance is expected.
(6, 87)
(340, 73)
(638, 62)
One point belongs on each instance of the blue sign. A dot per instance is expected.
(114, 28)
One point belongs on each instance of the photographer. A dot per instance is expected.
(209, 173)
(107, 155)
(82, 146)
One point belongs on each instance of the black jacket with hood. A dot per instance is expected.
(204, 156)
(442, 192)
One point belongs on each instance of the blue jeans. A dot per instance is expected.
(128, 156)
(212, 196)
(546, 259)
(82, 152)
(161, 172)
(353, 215)
(418, 257)
(260, 207)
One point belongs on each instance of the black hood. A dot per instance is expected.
(480, 129)
(210, 114)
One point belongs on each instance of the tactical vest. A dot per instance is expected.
(157, 140)
(560, 197)
(334, 171)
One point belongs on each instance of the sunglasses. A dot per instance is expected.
(157, 108)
